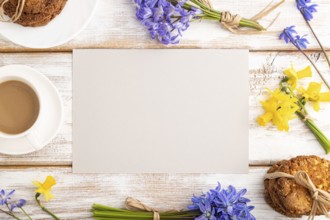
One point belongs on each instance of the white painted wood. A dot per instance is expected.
(266, 144)
(74, 194)
(115, 26)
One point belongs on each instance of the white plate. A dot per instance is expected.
(72, 20)
(51, 116)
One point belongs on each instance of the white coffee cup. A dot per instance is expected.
(29, 133)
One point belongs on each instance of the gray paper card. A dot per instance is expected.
(160, 111)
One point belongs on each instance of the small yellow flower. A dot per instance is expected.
(294, 76)
(45, 188)
(314, 94)
(279, 109)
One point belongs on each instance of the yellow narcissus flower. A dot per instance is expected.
(314, 94)
(294, 76)
(279, 109)
(45, 188)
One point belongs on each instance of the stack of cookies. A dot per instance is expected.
(289, 198)
(35, 12)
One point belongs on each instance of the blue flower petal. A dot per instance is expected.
(161, 19)
(225, 204)
(305, 9)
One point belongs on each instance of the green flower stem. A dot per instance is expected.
(148, 216)
(303, 115)
(44, 208)
(101, 212)
(299, 102)
(10, 214)
(323, 140)
(317, 39)
(212, 14)
(27, 215)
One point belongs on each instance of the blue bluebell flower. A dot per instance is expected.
(306, 9)
(222, 204)
(208, 212)
(17, 204)
(4, 198)
(244, 212)
(301, 41)
(165, 20)
(290, 35)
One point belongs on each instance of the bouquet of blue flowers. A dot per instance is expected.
(217, 204)
(167, 19)
(291, 36)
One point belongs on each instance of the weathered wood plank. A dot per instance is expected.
(115, 26)
(266, 145)
(74, 194)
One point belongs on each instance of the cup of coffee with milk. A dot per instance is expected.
(20, 107)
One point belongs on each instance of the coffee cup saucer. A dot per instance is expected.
(50, 117)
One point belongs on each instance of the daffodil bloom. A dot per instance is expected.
(45, 188)
(314, 94)
(279, 109)
(294, 76)
(283, 103)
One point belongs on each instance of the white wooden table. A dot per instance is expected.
(115, 26)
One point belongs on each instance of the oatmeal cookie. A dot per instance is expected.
(288, 197)
(270, 195)
(36, 12)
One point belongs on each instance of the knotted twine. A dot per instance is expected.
(231, 21)
(16, 15)
(321, 198)
(134, 204)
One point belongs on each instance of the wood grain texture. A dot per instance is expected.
(115, 26)
(267, 145)
(74, 194)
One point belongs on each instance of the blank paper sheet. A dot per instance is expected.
(160, 111)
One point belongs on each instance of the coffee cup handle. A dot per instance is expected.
(32, 138)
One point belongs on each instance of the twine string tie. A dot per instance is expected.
(134, 204)
(321, 198)
(18, 12)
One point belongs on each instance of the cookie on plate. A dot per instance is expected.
(290, 198)
(35, 12)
